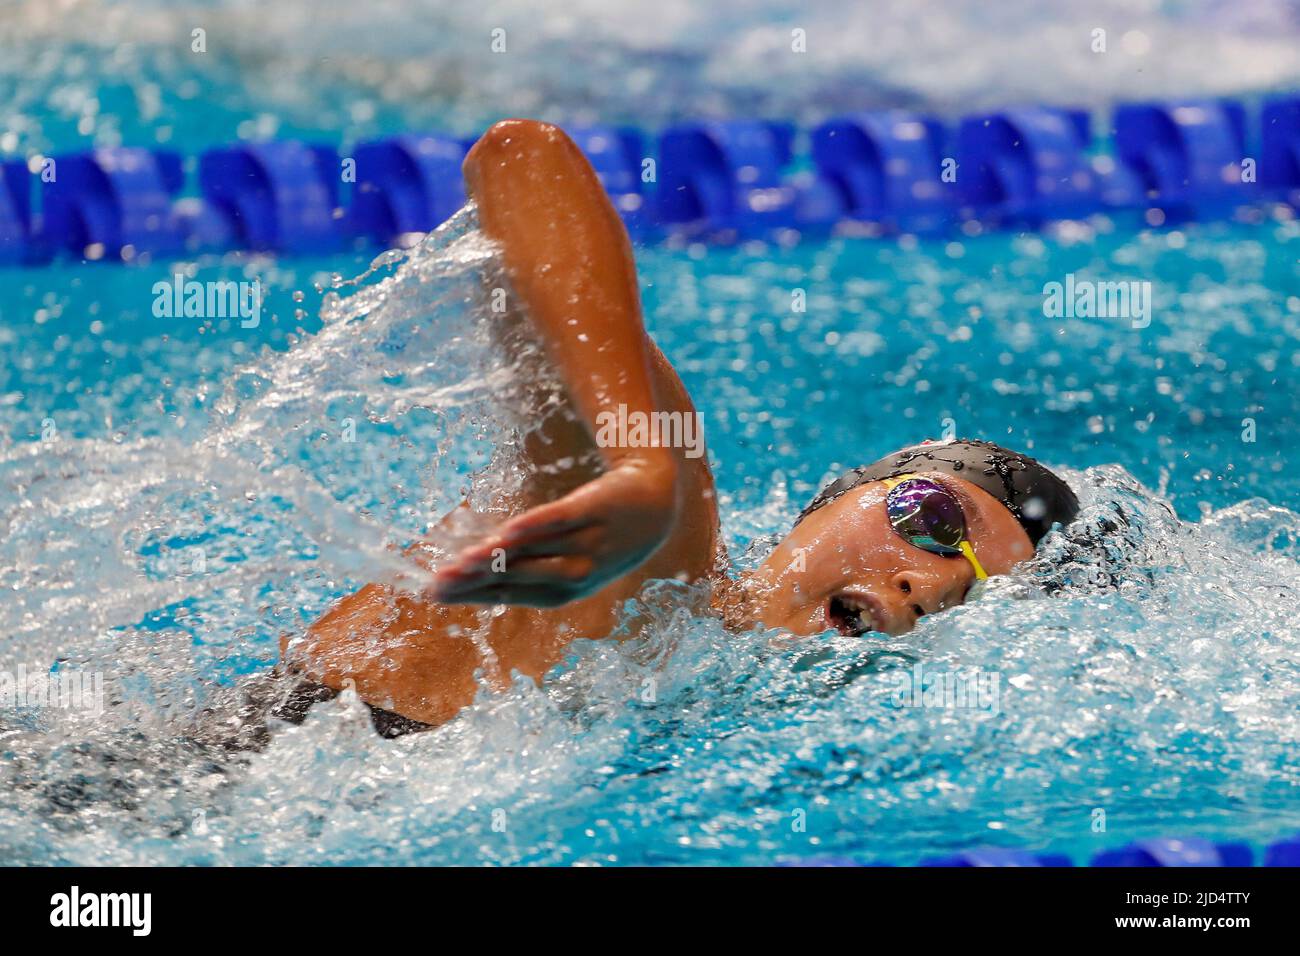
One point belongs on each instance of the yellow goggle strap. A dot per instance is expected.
(969, 552)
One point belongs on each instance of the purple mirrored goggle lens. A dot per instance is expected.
(927, 515)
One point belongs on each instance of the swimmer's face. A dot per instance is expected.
(845, 568)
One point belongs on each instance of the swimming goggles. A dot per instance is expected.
(928, 515)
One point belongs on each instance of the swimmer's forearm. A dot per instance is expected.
(570, 265)
(570, 262)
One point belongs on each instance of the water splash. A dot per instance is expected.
(316, 460)
(1143, 664)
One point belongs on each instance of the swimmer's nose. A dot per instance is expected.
(923, 594)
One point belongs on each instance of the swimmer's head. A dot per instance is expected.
(887, 543)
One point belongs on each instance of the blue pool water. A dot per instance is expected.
(176, 494)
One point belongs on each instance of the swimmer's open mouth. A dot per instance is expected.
(855, 614)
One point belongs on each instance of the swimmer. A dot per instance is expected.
(876, 550)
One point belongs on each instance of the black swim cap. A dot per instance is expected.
(1035, 496)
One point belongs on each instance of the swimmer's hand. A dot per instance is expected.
(566, 549)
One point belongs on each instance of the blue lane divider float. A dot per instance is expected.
(113, 202)
(721, 180)
(1160, 852)
(1283, 852)
(726, 177)
(824, 862)
(885, 168)
(1027, 165)
(405, 185)
(280, 197)
(1184, 154)
(998, 856)
(1279, 158)
(1176, 852)
(15, 213)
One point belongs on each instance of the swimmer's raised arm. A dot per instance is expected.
(570, 264)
